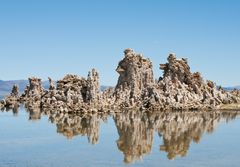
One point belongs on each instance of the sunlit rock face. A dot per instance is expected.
(93, 87)
(177, 130)
(135, 75)
(87, 90)
(33, 93)
(34, 90)
(73, 93)
(180, 89)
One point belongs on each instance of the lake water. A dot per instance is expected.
(31, 139)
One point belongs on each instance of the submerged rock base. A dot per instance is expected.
(177, 89)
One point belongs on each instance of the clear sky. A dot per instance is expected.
(54, 37)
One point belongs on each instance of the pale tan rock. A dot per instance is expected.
(135, 75)
(93, 87)
(11, 101)
(51, 84)
(178, 89)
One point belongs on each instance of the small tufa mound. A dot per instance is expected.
(11, 101)
(73, 93)
(15, 91)
(33, 93)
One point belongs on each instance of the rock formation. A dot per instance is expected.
(180, 89)
(73, 93)
(177, 89)
(135, 75)
(15, 91)
(12, 100)
(33, 93)
(51, 84)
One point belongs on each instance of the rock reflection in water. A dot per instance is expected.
(34, 113)
(136, 129)
(135, 135)
(14, 109)
(178, 130)
(71, 125)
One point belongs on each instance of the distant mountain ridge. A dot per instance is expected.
(6, 86)
(232, 88)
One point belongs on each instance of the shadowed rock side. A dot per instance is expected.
(178, 130)
(177, 89)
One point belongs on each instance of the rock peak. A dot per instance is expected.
(128, 51)
(135, 75)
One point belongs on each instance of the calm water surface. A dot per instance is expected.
(31, 139)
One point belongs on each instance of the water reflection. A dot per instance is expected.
(14, 110)
(73, 125)
(34, 113)
(136, 129)
(178, 130)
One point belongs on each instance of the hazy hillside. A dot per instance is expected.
(6, 86)
(231, 88)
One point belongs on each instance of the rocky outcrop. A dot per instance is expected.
(51, 84)
(15, 91)
(73, 93)
(177, 89)
(136, 74)
(33, 93)
(93, 87)
(12, 100)
(180, 89)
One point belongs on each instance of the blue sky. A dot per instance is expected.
(54, 37)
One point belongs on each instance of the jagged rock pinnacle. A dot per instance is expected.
(177, 89)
